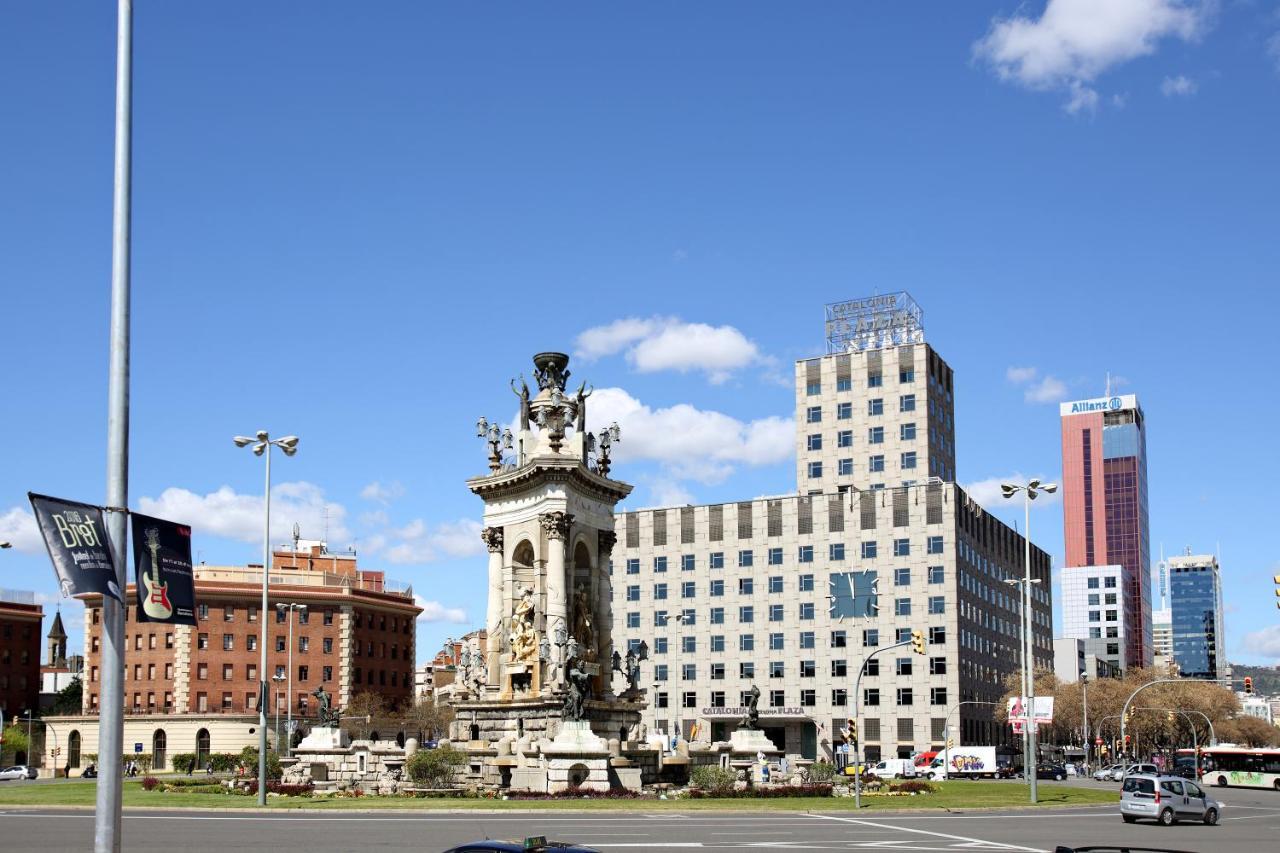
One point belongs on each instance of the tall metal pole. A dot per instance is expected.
(106, 819)
(857, 723)
(1028, 669)
(262, 638)
(1084, 688)
(288, 725)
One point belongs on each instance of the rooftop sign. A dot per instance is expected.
(874, 322)
(1099, 404)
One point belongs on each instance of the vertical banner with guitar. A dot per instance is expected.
(76, 536)
(162, 558)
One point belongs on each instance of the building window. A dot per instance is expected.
(688, 645)
(815, 470)
(871, 637)
(813, 415)
(777, 669)
(869, 550)
(903, 666)
(875, 435)
(776, 642)
(228, 642)
(775, 556)
(839, 668)
(902, 547)
(844, 411)
(902, 607)
(844, 467)
(907, 432)
(839, 639)
(875, 406)
(806, 554)
(659, 618)
(901, 635)
(934, 545)
(840, 697)
(202, 610)
(806, 640)
(936, 574)
(844, 383)
(875, 463)
(871, 696)
(775, 613)
(633, 592)
(937, 636)
(907, 403)
(908, 460)
(659, 591)
(775, 584)
(687, 563)
(902, 577)
(717, 616)
(937, 695)
(689, 672)
(806, 583)
(1110, 583)
(716, 560)
(659, 564)
(717, 642)
(659, 645)
(813, 389)
(746, 559)
(746, 615)
(1093, 583)
(937, 604)
(808, 698)
(844, 438)
(746, 642)
(633, 620)
(806, 611)
(689, 699)
(660, 672)
(688, 589)
(938, 666)
(777, 698)
(1095, 616)
(746, 586)
(814, 441)
(904, 696)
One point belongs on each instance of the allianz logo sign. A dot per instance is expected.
(1113, 404)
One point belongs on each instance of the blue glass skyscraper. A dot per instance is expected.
(1195, 604)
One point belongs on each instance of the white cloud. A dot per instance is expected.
(383, 493)
(1172, 87)
(18, 528)
(691, 443)
(667, 343)
(1073, 42)
(434, 611)
(420, 542)
(987, 492)
(1265, 642)
(232, 515)
(1038, 389)
(667, 492)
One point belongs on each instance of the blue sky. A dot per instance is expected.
(358, 226)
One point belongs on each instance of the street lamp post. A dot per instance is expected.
(275, 695)
(857, 720)
(262, 444)
(1084, 690)
(1029, 491)
(281, 607)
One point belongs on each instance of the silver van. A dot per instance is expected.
(1166, 799)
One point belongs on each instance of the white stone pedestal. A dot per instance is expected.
(577, 757)
(324, 740)
(751, 741)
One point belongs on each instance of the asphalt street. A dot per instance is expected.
(1250, 823)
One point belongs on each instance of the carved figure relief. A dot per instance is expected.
(524, 640)
(584, 624)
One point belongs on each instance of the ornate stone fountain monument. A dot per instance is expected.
(538, 710)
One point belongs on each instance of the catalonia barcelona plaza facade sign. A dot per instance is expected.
(76, 536)
(1099, 404)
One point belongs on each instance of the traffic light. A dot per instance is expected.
(917, 642)
(951, 742)
(1277, 580)
(1169, 717)
(1126, 740)
(851, 732)
(1248, 685)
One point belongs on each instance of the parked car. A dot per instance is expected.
(19, 771)
(894, 768)
(1008, 771)
(1107, 773)
(1057, 772)
(1166, 799)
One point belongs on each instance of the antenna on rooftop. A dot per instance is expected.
(297, 534)
(326, 526)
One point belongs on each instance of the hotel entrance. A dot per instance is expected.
(790, 729)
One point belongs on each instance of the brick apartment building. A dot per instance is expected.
(20, 623)
(195, 689)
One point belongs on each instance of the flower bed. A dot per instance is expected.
(809, 789)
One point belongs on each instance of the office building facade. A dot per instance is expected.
(20, 623)
(1094, 611)
(791, 594)
(1104, 499)
(1195, 608)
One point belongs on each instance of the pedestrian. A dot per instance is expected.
(208, 768)
(66, 771)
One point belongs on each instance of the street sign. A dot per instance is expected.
(137, 747)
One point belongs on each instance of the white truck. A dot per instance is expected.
(971, 762)
(894, 768)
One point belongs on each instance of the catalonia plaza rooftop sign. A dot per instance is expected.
(1099, 404)
(874, 322)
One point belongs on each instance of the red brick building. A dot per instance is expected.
(20, 638)
(357, 634)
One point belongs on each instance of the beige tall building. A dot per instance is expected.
(791, 594)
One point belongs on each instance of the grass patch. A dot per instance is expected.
(951, 795)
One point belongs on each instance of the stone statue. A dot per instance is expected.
(479, 672)
(523, 394)
(580, 405)
(328, 717)
(524, 640)
(751, 720)
(579, 691)
(583, 629)
(551, 370)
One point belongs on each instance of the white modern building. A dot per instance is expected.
(1071, 660)
(791, 594)
(1162, 640)
(1094, 611)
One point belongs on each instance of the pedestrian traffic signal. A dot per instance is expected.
(1126, 740)
(1248, 686)
(917, 642)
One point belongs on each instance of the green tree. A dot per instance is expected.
(69, 699)
(435, 768)
(15, 741)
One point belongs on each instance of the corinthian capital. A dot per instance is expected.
(492, 537)
(556, 524)
(607, 539)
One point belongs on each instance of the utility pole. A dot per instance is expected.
(106, 821)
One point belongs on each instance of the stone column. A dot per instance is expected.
(493, 540)
(555, 525)
(606, 539)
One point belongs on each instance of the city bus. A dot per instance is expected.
(1238, 766)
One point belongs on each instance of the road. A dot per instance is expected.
(1250, 822)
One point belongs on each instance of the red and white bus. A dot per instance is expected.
(1238, 766)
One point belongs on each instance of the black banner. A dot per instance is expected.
(164, 580)
(76, 536)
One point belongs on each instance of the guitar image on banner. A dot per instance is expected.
(156, 601)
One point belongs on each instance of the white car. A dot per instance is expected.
(19, 771)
